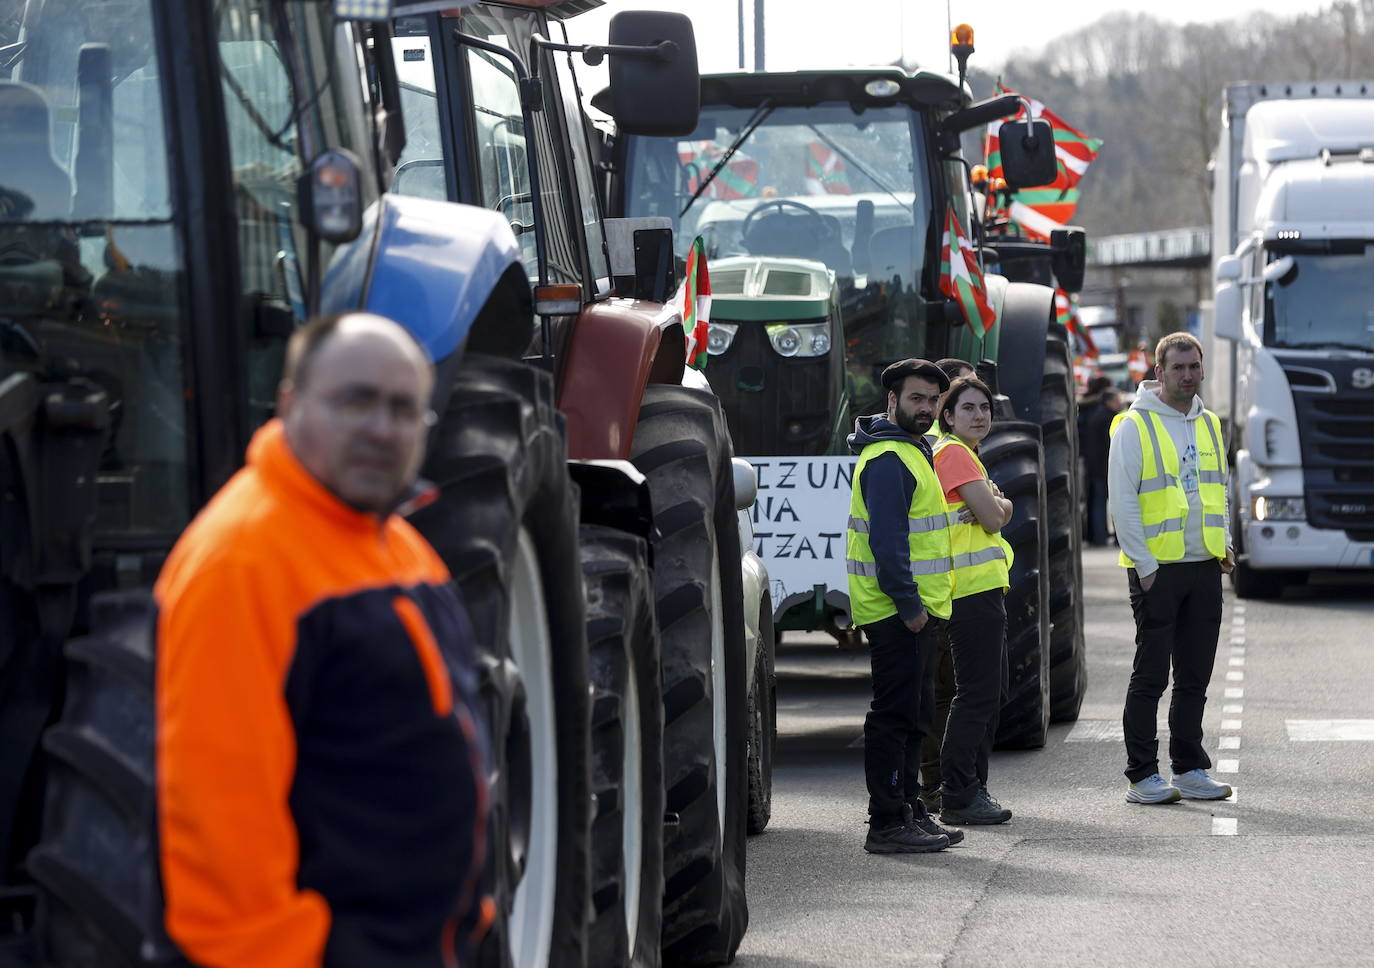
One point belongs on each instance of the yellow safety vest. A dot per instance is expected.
(1163, 504)
(981, 558)
(928, 536)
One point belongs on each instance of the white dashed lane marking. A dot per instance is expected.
(1235, 663)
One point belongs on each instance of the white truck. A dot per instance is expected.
(1290, 343)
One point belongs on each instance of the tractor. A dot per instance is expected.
(859, 170)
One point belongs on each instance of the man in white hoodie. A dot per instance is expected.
(1166, 484)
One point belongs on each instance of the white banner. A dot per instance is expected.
(800, 517)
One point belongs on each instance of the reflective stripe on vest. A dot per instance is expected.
(982, 560)
(928, 531)
(1163, 503)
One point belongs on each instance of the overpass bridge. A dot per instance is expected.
(1187, 248)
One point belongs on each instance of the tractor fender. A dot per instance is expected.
(1027, 312)
(432, 267)
(618, 347)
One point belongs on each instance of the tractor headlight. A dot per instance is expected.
(1278, 509)
(719, 336)
(800, 339)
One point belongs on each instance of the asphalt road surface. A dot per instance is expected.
(1281, 875)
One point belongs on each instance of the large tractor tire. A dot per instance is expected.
(683, 449)
(1059, 433)
(763, 724)
(1014, 459)
(100, 899)
(627, 750)
(506, 523)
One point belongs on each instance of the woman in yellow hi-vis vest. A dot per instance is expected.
(1166, 484)
(897, 554)
(978, 620)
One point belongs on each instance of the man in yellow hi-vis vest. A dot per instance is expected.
(1166, 482)
(898, 558)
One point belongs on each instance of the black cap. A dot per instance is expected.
(894, 375)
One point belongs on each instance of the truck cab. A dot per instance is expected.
(1293, 330)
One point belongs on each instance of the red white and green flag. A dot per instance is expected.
(693, 302)
(961, 277)
(738, 179)
(1066, 313)
(825, 172)
(1039, 211)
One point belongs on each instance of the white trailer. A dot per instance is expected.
(1290, 342)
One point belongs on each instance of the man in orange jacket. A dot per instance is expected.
(320, 771)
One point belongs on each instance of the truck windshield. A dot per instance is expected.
(89, 262)
(1320, 300)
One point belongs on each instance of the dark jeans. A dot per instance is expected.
(978, 643)
(1178, 619)
(1097, 510)
(942, 676)
(899, 715)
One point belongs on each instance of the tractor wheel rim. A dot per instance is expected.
(632, 808)
(532, 911)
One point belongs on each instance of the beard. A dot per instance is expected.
(914, 422)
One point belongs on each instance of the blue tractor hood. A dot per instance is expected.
(428, 265)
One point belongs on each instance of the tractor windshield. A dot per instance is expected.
(89, 260)
(825, 183)
(92, 277)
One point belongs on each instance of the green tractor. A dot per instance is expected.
(856, 170)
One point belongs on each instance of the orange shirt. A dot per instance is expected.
(956, 467)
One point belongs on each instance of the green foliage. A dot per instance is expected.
(1151, 91)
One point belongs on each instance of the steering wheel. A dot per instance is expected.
(824, 230)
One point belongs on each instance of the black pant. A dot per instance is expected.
(942, 684)
(1096, 531)
(898, 717)
(1178, 619)
(978, 643)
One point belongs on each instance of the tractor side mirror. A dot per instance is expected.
(657, 90)
(331, 196)
(1028, 159)
(1226, 301)
(1069, 257)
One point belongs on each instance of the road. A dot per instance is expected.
(1281, 875)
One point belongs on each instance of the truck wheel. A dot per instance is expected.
(1014, 459)
(1059, 430)
(100, 893)
(682, 447)
(1252, 583)
(627, 750)
(499, 458)
(763, 726)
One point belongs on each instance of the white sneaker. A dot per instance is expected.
(1153, 789)
(1197, 785)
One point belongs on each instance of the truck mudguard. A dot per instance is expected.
(431, 266)
(618, 347)
(1027, 312)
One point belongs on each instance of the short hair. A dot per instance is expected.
(306, 342)
(1176, 341)
(1099, 383)
(951, 366)
(897, 372)
(951, 398)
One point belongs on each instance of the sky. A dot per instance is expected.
(810, 33)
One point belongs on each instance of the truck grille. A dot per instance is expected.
(1337, 433)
